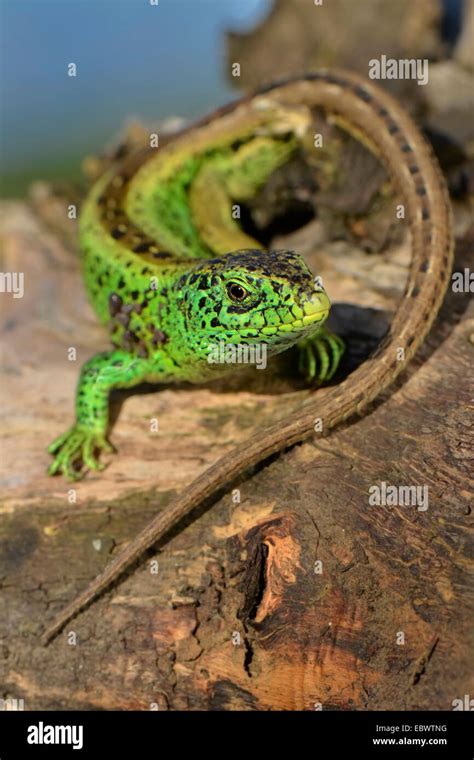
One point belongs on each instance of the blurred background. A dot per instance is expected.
(149, 62)
(133, 60)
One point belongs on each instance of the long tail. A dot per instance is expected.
(369, 112)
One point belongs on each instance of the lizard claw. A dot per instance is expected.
(78, 451)
(319, 356)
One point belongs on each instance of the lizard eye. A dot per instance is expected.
(236, 292)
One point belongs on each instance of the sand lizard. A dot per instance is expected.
(128, 218)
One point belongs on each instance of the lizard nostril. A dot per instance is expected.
(317, 303)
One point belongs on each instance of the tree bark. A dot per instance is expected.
(291, 591)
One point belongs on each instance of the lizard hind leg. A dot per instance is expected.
(320, 356)
(226, 178)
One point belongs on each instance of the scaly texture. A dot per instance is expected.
(156, 234)
(282, 110)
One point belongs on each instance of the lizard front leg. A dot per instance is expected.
(78, 449)
(320, 355)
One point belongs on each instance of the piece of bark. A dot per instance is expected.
(234, 615)
(299, 36)
(464, 51)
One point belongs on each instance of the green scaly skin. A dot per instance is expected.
(159, 275)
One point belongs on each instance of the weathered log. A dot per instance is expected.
(290, 592)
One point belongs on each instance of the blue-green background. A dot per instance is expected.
(133, 60)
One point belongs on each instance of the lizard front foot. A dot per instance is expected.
(77, 451)
(319, 356)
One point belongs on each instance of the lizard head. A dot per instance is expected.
(252, 297)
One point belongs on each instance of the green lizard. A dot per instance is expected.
(282, 114)
(171, 273)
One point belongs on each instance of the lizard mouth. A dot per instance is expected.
(314, 310)
(309, 319)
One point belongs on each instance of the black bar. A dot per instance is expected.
(306, 734)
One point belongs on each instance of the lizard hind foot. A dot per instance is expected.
(77, 451)
(319, 356)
